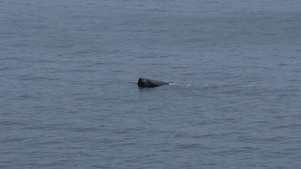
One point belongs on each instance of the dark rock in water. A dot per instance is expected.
(148, 83)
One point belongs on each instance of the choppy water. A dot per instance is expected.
(69, 99)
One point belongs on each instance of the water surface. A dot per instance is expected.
(69, 99)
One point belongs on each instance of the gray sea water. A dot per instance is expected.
(69, 98)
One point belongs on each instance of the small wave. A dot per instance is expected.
(191, 85)
(174, 84)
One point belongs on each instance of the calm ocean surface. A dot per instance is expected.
(69, 99)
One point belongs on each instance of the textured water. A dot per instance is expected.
(69, 99)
